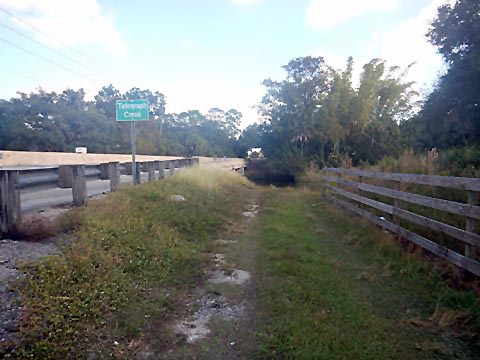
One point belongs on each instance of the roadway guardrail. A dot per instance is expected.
(12, 181)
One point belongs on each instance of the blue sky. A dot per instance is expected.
(206, 53)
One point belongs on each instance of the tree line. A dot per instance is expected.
(317, 115)
(50, 121)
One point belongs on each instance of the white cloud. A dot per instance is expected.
(331, 58)
(406, 43)
(323, 14)
(72, 22)
(338, 62)
(246, 2)
(203, 93)
(189, 43)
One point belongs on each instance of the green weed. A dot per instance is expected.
(133, 253)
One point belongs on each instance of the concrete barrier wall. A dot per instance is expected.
(31, 158)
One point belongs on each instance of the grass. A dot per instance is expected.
(132, 256)
(335, 288)
(325, 285)
(454, 162)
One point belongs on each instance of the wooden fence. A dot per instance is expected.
(348, 188)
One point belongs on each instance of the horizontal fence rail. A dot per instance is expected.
(12, 181)
(434, 180)
(353, 196)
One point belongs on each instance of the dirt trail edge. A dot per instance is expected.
(219, 318)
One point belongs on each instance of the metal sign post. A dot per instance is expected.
(133, 139)
(133, 111)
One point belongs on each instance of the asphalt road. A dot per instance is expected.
(32, 200)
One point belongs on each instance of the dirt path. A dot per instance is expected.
(220, 316)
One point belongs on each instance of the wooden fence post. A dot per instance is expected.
(10, 215)
(79, 185)
(396, 203)
(361, 192)
(470, 250)
(161, 170)
(65, 177)
(114, 173)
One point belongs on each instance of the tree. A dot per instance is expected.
(248, 139)
(382, 101)
(451, 113)
(292, 108)
(456, 30)
(316, 115)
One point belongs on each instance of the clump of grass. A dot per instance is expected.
(132, 253)
(411, 163)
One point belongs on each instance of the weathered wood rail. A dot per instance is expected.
(353, 196)
(12, 181)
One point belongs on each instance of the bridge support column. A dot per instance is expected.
(161, 169)
(10, 216)
(138, 170)
(151, 170)
(79, 185)
(114, 174)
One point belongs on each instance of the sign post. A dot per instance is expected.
(133, 111)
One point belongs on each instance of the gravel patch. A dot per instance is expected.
(250, 214)
(236, 277)
(12, 255)
(195, 327)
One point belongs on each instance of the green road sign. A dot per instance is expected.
(132, 110)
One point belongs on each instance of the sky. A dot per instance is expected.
(204, 53)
